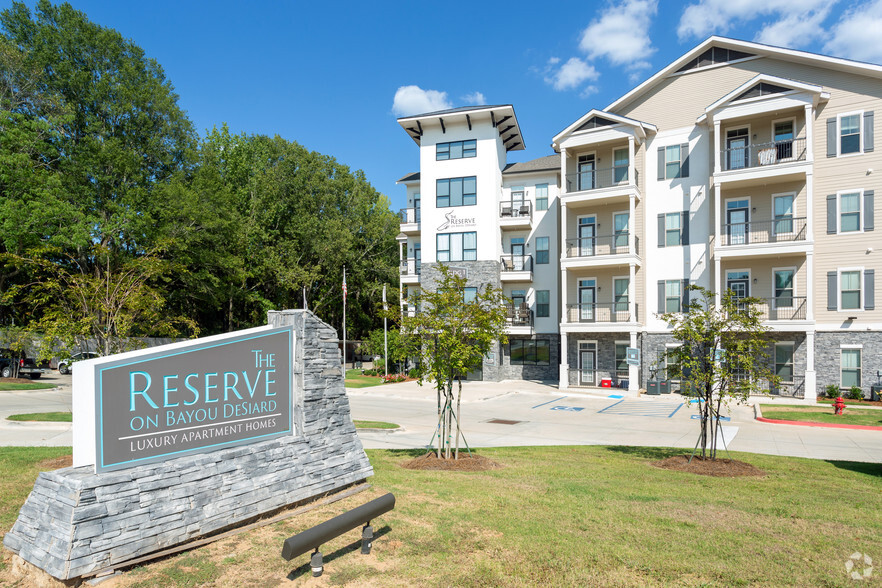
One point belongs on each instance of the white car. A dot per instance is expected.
(65, 366)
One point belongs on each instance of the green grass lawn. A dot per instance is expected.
(7, 386)
(847, 402)
(819, 414)
(354, 379)
(554, 516)
(374, 425)
(53, 417)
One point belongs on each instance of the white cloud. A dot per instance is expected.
(621, 34)
(476, 98)
(571, 74)
(414, 100)
(856, 35)
(792, 24)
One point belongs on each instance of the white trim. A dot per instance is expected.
(793, 285)
(724, 131)
(623, 120)
(851, 346)
(749, 278)
(839, 194)
(860, 115)
(859, 369)
(839, 271)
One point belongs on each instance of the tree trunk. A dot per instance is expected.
(458, 402)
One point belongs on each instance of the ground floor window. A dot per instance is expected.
(530, 352)
(784, 361)
(621, 360)
(850, 363)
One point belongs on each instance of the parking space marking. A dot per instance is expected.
(637, 408)
(549, 402)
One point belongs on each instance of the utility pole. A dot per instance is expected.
(344, 324)
(385, 331)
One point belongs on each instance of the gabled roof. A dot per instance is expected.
(642, 127)
(501, 116)
(818, 91)
(547, 163)
(758, 49)
(412, 177)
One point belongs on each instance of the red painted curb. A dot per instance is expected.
(827, 425)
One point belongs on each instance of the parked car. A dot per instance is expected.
(27, 367)
(65, 366)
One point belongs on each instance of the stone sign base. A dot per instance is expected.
(76, 522)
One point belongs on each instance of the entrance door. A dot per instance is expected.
(586, 171)
(517, 253)
(784, 140)
(587, 232)
(737, 149)
(587, 298)
(418, 256)
(587, 362)
(739, 283)
(737, 221)
(416, 206)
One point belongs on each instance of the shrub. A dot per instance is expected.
(414, 373)
(832, 391)
(855, 393)
(392, 378)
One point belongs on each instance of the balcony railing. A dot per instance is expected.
(409, 215)
(601, 245)
(763, 154)
(782, 308)
(600, 312)
(594, 377)
(409, 267)
(781, 230)
(519, 316)
(598, 178)
(517, 263)
(516, 209)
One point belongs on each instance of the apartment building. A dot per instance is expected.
(738, 166)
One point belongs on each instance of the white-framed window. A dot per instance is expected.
(620, 293)
(455, 150)
(542, 246)
(672, 229)
(783, 134)
(469, 294)
(673, 161)
(850, 289)
(620, 226)
(671, 363)
(784, 361)
(850, 367)
(543, 303)
(456, 246)
(784, 280)
(456, 192)
(622, 359)
(850, 211)
(783, 204)
(541, 197)
(849, 138)
(620, 165)
(673, 295)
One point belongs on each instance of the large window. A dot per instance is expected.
(850, 362)
(620, 287)
(529, 352)
(784, 288)
(783, 214)
(672, 229)
(456, 246)
(469, 294)
(672, 296)
(784, 361)
(850, 290)
(850, 134)
(620, 165)
(621, 360)
(456, 192)
(850, 212)
(455, 150)
(620, 226)
(543, 303)
(541, 249)
(541, 196)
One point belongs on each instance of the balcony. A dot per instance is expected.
(782, 308)
(409, 269)
(516, 214)
(516, 268)
(600, 184)
(410, 221)
(603, 250)
(519, 320)
(599, 312)
(783, 235)
(763, 160)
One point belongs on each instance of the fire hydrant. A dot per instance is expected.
(838, 406)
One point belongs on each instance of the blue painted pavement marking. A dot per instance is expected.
(568, 408)
(615, 396)
(549, 402)
(638, 408)
(722, 418)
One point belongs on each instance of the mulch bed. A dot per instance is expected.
(54, 463)
(17, 381)
(720, 468)
(465, 463)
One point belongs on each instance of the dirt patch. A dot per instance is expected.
(720, 468)
(465, 463)
(18, 381)
(55, 463)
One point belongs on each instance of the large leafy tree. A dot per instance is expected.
(723, 356)
(450, 336)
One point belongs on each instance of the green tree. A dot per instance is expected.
(376, 344)
(723, 355)
(450, 336)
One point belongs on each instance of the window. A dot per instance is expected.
(541, 196)
(672, 295)
(672, 361)
(527, 352)
(456, 246)
(850, 362)
(543, 303)
(541, 249)
(455, 150)
(620, 294)
(517, 195)
(784, 214)
(620, 165)
(784, 361)
(672, 162)
(849, 212)
(783, 131)
(518, 298)
(456, 192)
(469, 294)
(850, 134)
(620, 224)
(672, 229)
(784, 288)
(850, 290)
(621, 360)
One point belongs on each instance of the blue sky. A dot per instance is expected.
(333, 76)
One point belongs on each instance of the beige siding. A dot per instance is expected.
(762, 201)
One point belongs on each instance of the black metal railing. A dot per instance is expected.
(781, 230)
(794, 387)
(598, 178)
(595, 377)
(601, 245)
(517, 263)
(522, 209)
(763, 154)
(409, 215)
(600, 312)
(409, 267)
(782, 308)
(519, 316)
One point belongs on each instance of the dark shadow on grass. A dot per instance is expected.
(329, 557)
(412, 453)
(648, 452)
(868, 469)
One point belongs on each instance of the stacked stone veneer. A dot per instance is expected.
(76, 522)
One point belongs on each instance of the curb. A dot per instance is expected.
(825, 425)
